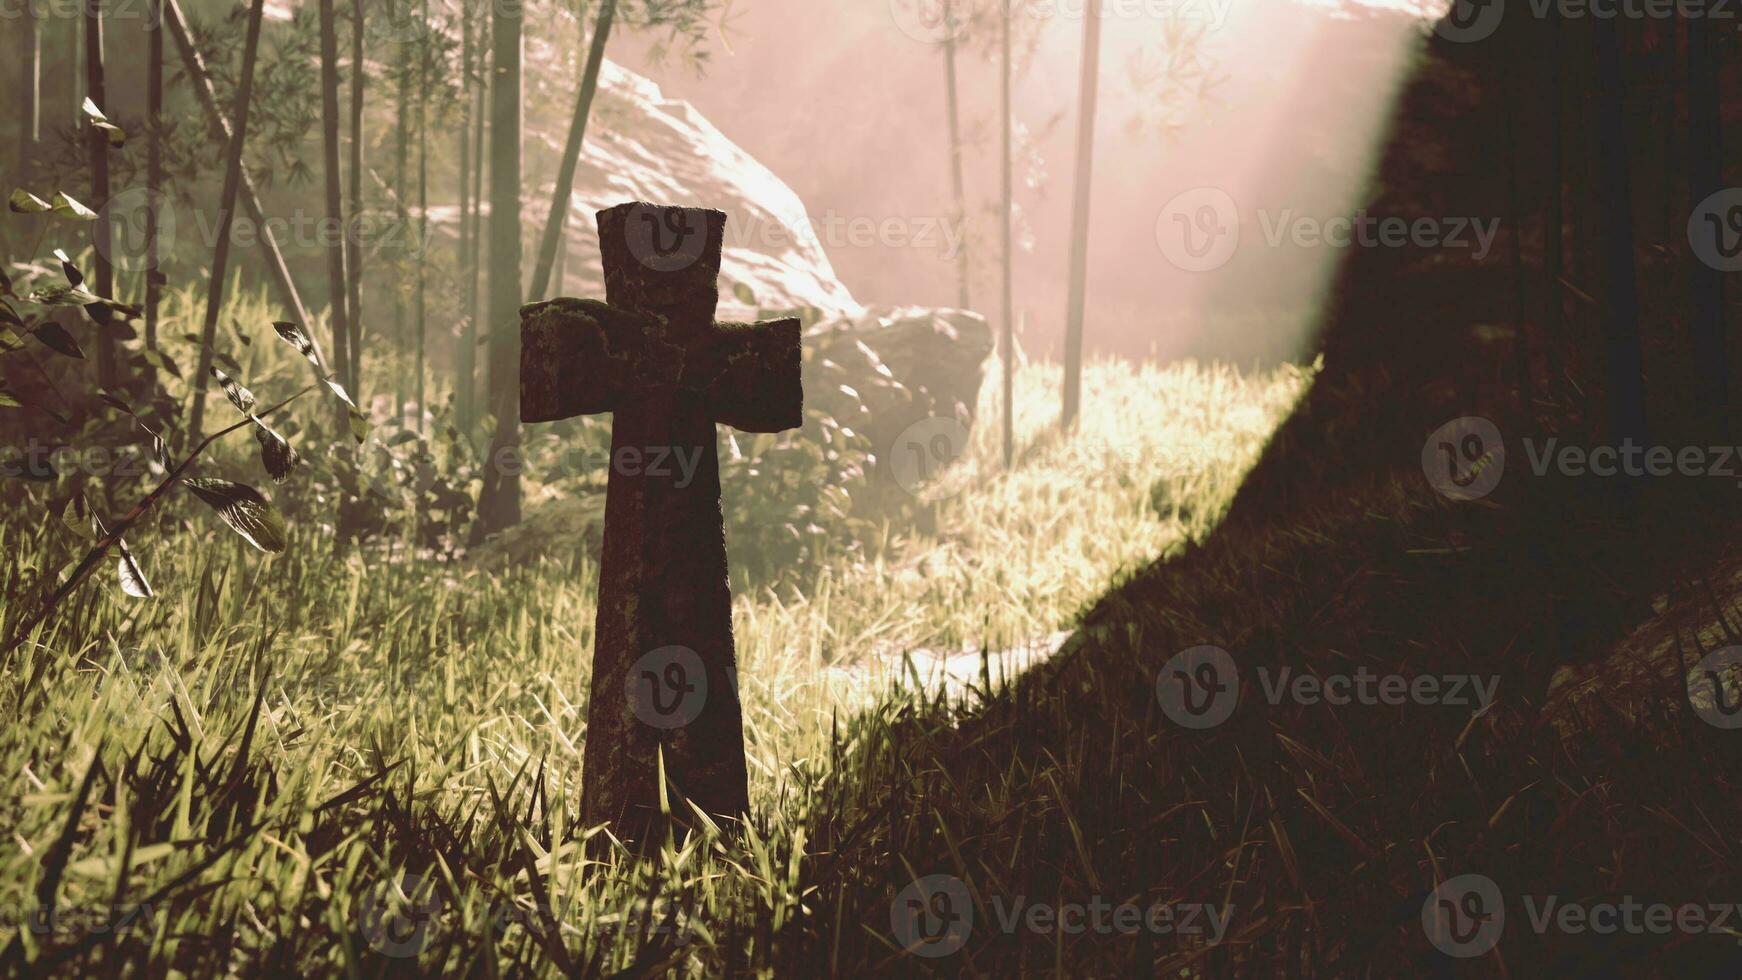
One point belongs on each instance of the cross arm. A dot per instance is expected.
(579, 357)
(751, 375)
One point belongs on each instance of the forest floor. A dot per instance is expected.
(322, 764)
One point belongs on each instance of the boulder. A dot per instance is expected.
(903, 365)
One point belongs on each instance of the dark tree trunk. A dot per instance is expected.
(1554, 220)
(565, 177)
(1514, 217)
(334, 244)
(1705, 178)
(1621, 311)
(103, 270)
(354, 255)
(153, 171)
(1080, 212)
(226, 217)
(499, 504)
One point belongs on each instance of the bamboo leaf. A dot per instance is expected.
(24, 202)
(116, 136)
(55, 338)
(239, 396)
(246, 511)
(65, 205)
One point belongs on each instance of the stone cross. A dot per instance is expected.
(664, 688)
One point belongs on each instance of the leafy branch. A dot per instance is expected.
(241, 506)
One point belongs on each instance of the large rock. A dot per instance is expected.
(904, 365)
(642, 146)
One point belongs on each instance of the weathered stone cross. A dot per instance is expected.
(664, 669)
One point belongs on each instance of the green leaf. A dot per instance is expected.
(161, 361)
(239, 396)
(117, 137)
(9, 400)
(132, 576)
(276, 454)
(294, 336)
(71, 208)
(55, 338)
(76, 516)
(55, 294)
(24, 202)
(246, 511)
(744, 293)
(72, 272)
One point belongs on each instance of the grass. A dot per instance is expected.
(326, 764)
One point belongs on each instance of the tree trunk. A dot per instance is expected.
(1621, 312)
(958, 186)
(354, 255)
(334, 245)
(1705, 178)
(1007, 206)
(565, 177)
(1086, 93)
(465, 239)
(153, 171)
(422, 208)
(1520, 330)
(102, 267)
(499, 504)
(469, 344)
(201, 82)
(1554, 221)
(226, 217)
(399, 214)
